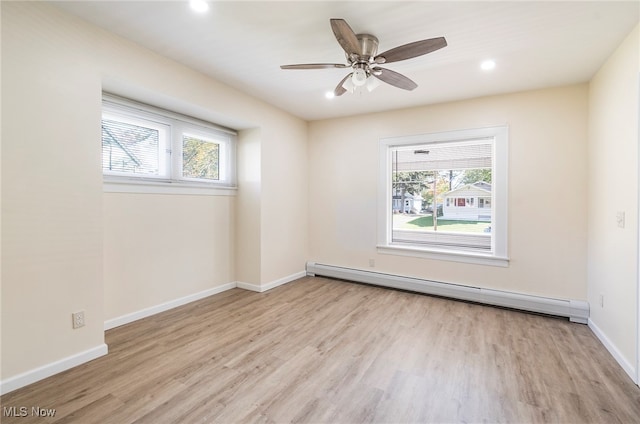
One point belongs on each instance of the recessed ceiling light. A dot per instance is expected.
(329, 95)
(488, 65)
(199, 6)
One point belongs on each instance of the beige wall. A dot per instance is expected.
(51, 194)
(284, 206)
(248, 235)
(613, 186)
(67, 246)
(547, 190)
(158, 248)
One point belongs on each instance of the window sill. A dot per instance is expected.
(164, 187)
(444, 255)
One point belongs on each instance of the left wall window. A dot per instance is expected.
(151, 148)
(134, 146)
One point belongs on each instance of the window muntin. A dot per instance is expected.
(143, 144)
(456, 211)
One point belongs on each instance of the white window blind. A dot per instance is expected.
(146, 145)
(469, 154)
(133, 147)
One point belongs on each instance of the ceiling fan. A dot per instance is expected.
(361, 52)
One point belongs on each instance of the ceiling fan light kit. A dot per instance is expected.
(361, 54)
(372, 83)
(348, 84)
(359, 77)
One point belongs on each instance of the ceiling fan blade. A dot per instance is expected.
(314, 66)
(345, 36)
(407, 51)
(394, 78)
(340, 90)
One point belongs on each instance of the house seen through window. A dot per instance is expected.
(440, 193)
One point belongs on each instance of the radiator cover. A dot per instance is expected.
(575, 310)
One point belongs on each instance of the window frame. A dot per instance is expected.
(173, 182)
(164, 143)
(499, 249)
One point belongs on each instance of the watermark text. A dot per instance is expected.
(25, 411)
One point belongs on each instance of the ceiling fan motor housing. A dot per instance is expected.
(368, 49)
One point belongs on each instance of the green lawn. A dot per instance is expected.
(426, 223)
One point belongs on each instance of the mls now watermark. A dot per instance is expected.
(23, 411)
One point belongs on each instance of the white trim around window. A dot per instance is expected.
(497, 255)
(178, 155)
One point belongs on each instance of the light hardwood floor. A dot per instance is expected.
(319, 350)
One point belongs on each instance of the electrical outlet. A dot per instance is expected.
(77, 319)
(372, 263)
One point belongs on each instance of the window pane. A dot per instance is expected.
(200, 158)
(434, 189)
(130, 148)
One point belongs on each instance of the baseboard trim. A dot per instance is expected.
(264, 287)
(147, 312)
(575, 310)
(249, 286)
(40, 373)
(613, 350)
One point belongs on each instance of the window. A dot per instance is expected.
(151, 148)
(200, 158)
(133, 146)
(484, 202)
(454, 188)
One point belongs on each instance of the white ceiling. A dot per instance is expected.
(535, 44)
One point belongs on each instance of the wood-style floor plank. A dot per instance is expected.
(324, 351)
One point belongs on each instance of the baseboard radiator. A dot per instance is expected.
(575, 310)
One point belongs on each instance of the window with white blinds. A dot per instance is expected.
(443, 195)
(143, 145)
(133, 146)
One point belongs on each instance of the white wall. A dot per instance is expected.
(284, 206)
(248, 246)
(51, 193)
(67, 246)
(163, 247)
(613, 186)
(547, 190)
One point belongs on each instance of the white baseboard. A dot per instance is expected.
(48, 370)
(264, 287)
(147, 312)
(613, 350)
(40, 373)
(249, 286)
(575, 310)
